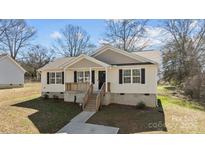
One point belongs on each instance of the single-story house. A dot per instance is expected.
(110, 75)
(11, 73)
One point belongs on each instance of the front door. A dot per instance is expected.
(101, 78)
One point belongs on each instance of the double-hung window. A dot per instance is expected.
(126, 76)
(79, 76)
(131, 76)
(55, 77)
(87, 76)
(58, 77)
(136, 76)
(52, 78)
(83, 76)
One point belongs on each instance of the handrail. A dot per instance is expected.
(74, 86)
(87, 94)
(100, 97)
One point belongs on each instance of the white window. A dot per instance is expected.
(55, 77)
(131, 76)
(52, 78)
(79, 76)
(58, 78)
(136, 76)
(83, 76)
(87, 76)
(126, 76)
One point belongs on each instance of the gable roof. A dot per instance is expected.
(147, 57)
(57, 63)
(128, 54)
(3, 56)
(83, 56)
(153, 55)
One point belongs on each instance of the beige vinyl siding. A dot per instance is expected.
(111, 57)
(50, 87)
(150, 85)
(84, 63)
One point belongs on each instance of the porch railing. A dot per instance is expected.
(88, 93)
(100, 96)
(72, 86)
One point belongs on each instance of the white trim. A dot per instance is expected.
(131, 75)
(106, 78)
(55, 77)
(90, 75)
(83, 77)
(85, 68)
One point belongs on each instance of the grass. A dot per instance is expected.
(165, 94)
(25, 112)
(179, 116)
(10, 96)
(129, 119)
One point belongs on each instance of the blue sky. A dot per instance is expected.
(46, 29)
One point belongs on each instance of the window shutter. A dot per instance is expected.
(47, 77)
(93, 77)
(75, 76)
(143, 76)
(120, 76)
(62, 77)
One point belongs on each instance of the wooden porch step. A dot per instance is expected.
(91, 105)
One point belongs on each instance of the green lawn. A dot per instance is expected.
(179, 116)
(24, 113)
(129, 119)
(165, 94)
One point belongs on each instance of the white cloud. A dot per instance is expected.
(156, 36)
(55, 35)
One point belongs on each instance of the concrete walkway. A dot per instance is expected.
(83, 117)
(78, 126)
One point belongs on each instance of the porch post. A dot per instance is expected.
(90, 75)
(106, 79)
(64, 79)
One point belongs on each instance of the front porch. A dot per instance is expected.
(86, 82)
(84, 94)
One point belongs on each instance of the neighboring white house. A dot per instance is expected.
(127, 78)
(11, 73)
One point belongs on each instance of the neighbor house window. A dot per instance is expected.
(58, 77)
(52, 78)
(83, 76)
(131, 76)
(55, 77)
(136, 76)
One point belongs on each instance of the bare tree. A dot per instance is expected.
(74, 41)
(35, 58)
(184, 55)
(4, 24)
(16, 37)
(126, 34)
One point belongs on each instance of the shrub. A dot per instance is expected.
(141, 105)
(45, 96)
